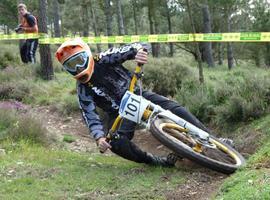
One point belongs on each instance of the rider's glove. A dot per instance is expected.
(103, 145)
(141, 57)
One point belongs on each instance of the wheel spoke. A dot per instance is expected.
(220, 153)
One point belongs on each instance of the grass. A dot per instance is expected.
(69, 138)
(23, 83)
(251, 184)
(262, 157)
(8, 56)
(228, 97)
(20, 84)
(16, 126)
(33, 172)
(253, 181)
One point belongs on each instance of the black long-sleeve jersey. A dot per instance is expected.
(107, 85)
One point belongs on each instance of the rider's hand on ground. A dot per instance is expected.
(141, 57)
(103, 145)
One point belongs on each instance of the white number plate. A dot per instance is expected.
(133, 106)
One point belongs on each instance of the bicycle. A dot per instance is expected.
(180, 136)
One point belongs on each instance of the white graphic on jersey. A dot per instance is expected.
(122, 49)
(99, 92)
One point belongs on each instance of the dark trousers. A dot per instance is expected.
(122, 144)
(28, 51)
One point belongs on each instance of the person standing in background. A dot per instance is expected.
(28, 24)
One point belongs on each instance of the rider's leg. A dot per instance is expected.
(123, 146)
(174, 108)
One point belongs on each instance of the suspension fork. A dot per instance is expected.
(136, 76)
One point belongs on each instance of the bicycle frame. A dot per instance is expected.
(151, 109)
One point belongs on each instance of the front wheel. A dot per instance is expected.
(215, 155)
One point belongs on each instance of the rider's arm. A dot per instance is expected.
(119, 54)
(89, 113)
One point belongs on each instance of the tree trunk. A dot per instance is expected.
(94, 23)
(51, 29)
(85, 18)
(21, 42)
(121, 29)
(134, 9)
(229, 45)
(44, 49)
(267, 56)
(169, 26)
(108, 15)
(230, 55)
(62, 27)
(151, 25)
(156, 31)
(6, 29)
(220, 53)
(207, 46)
(56, 19)
(257, 55)
(199, 57)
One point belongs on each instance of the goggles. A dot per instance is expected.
(76, 62)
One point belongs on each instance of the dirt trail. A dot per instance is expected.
(59, 126)
(201, 183)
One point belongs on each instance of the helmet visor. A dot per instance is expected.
(77, 61)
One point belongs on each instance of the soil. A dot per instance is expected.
(202, 183)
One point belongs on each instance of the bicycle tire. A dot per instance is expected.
(183, 150)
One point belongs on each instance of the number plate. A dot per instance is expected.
(132, 107)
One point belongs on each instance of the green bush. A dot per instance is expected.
(67, 105)
(16, 74)
(23, 84)
(21, 91)
(17, 126)
(13, 90)
(28, 128)
(165, 76)
(5, 90)
(230, 112)
(8, 56)
(7, 120)
(226, 97)
(238, 96)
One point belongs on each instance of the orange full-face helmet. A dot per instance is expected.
(76, 57)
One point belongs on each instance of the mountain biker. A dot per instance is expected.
(102, 82)
(28, 24)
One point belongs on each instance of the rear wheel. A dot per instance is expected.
(215, 154)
